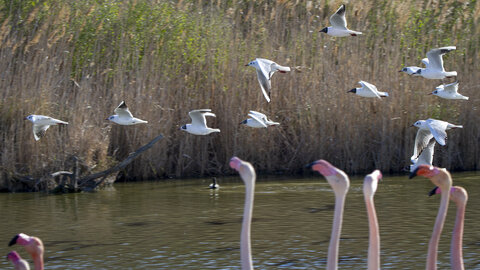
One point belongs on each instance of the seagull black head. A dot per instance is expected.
(243, 122)
(325, 30)
(354, 90)
(184, 127)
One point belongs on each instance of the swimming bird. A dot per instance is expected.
(430, 128)
(199, 123)
(435, 69)
(448, 91)
(18, 262)
(214, 184)
(442, 179)
(265, 69)
(340, 183)
(459, 196)
(41, 123)
(124, 117)
(248, 175)
(339, 25)
(33, 245)
(425, 156)
(413, 69)
(370, 184)
(368, 90)
(258, 120)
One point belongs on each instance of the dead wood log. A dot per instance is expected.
(89, 182)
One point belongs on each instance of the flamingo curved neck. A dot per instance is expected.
(38, 262)
(437, 229)
(245, 244)
(456, 252)
(332, 261)
(374, 236)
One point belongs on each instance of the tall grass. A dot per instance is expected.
(76, 60)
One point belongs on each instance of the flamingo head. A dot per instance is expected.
(337, 179)
(457, 194)
(33, 245)
(245, 169)
(235, 163)
(370, 183)
(13, 256)
(425, 170)
(323, 167)
(439, 177)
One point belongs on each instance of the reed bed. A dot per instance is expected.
(77, 60)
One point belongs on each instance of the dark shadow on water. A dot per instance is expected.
(328, 207)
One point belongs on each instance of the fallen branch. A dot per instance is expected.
(89, 180)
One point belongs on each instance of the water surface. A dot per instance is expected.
(184, 225)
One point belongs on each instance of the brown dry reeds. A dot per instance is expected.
(76, 60)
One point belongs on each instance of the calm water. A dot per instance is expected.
(183, 225)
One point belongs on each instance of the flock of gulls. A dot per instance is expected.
(430, 132)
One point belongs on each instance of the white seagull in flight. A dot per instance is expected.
(265, 70)
(435, 69)
(368, 90)
(124, 117)
(428, 129)
(339, 25)
(199, 123)
(448, 91)
(413, 69)
(41, 123)
(258, 120)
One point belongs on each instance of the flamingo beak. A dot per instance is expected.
(13, 241)
(433, 191)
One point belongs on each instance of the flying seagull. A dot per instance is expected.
(258, 120)
(428, 129)
(199, 123)
(448, 91)
(425, 156)
(265, 70)
(41, 123)
(413, 69)
(368, 90)
(339, 25)
(124, 117)
(435, 69)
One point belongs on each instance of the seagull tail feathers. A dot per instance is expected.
(451, 74)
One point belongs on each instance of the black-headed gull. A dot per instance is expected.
(435, 69)
(124, 117)
(339, 25)
(368, 90)
(413, 69)
(448, 91)
(428, 129)
(265, 70)
(199, 123)
(258, 120)
(425, 157)
(41, 123)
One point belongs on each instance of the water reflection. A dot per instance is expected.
(185, 225)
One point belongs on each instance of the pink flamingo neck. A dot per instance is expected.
(437, 229)
(245, 244)
(38, 262)
(374, 235)
(332, 261)
(456, 257)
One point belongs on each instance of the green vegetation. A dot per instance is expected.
(76, 60)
